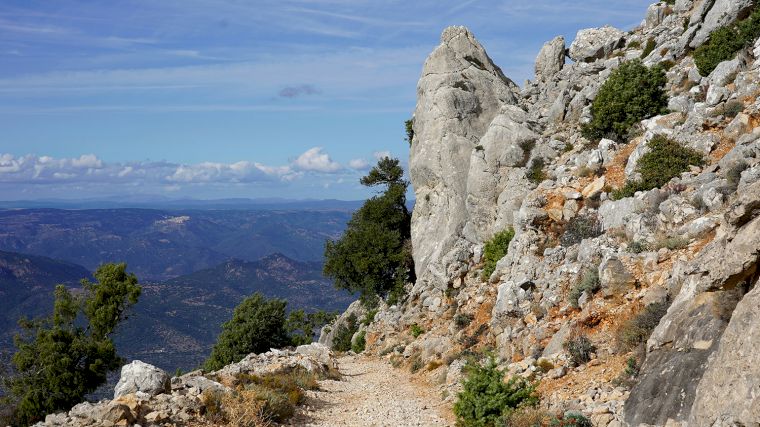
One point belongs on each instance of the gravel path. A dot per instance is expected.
(372, 393)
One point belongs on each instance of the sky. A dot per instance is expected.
(216, 99)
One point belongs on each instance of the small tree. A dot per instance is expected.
(486, 399)
(301, 325)
(373, 257)
(632, 93)
(67, 355)
(257, 325)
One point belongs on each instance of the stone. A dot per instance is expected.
(550, 59)
(508, 300)
(594, 188)
(143, 377)
(614, 277)
(595, 43)
(725, 72)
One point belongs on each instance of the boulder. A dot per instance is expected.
(550, 59)
(725, 72)
(596, 43)
(140, 376)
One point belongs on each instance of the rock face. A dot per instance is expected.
(722, 13)
(470, 140)
(142, 377)
(595, 43)
(550, 59)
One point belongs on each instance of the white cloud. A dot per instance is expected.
(316, 160)
(358, 164)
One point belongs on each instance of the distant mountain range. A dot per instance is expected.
(175, 322)
(162, 244)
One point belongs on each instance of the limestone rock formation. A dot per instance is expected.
(595, 43)
(470, 140)
(142, 377)
(550, 59)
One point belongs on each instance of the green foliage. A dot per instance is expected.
(462, 320)
(638, 246)
(359, 343)
(63, 357)
(373, 257)
(589, 283)
(301, 326)
(580, 227)
(535, 173)
(416, 364)
(665, 160)
(494, 250)
(486, 399)
(571, 420)
(632, 367)
(649, 47)
(636, 331)
(409, 128)
(416, 330)
(257, 325)
(632, 93)
(725, 42)
(344, 333)
(579, 347)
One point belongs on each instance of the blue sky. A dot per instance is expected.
(235, 98)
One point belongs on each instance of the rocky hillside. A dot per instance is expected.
(633, 305)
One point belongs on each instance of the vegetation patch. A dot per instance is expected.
(486, 398)
(725, 42)
(636, 331)
(665, 160)
(632, 93)
(579, 228)
(494, 250)
(589, 284)
(344, 333)
(535, 173)
(579, 347)
(416, 330)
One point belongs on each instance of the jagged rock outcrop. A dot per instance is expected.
(470, 140)
(550, 59)
(595, 43)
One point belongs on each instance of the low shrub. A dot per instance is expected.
(665, 160)
(527, 417)
(672, 243)
(494, 250)
(409, 128)
(589, 283)
(344, 333)
(359, 343)
(463, 320)
(535, 173)
(725, 42)
(571, 420)
(416, 330)
(632, 93)
(579, 347)
(649, 47)
(638, 246)
(580, 227)
(486, 399)
(416, 364)
(636, 331)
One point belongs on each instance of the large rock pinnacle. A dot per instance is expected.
(469, 139)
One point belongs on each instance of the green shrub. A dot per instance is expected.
(257, 325)
(535, 173)
(589, 283)
(494, 250)
(409, 128)
(636, 331)
(579, 347)
(725, 42)
(486, 399)
(416, 330)
(571, 420)
(672, 243)
(360, 343)
(632, 93)
(649, 47)
(634, 44)
(579, 228)
(638, 246)
(344, 333)
(301, 325)
(462, 320)
(665, 160)
(416, 364)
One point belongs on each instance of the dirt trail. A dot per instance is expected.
(372, 393)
